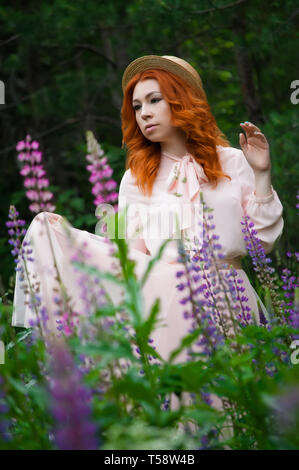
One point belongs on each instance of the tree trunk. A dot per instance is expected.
(245, 70)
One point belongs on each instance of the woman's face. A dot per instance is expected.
(152, 109)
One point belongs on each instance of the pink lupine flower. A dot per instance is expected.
(66, 322)
(98, 187)
(32, 195)
(101, 172)
(35, 207)
(20, 145)
(38, 171)
(93, 178)
(34, 144)
(46, 196)
(25, 170)
(34, 174)
(111, 184)
(100, 200)
(37, 156)
(107, 172)
(30, 182)
(43, 183)
(22, 156)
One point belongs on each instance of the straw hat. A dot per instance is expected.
(165, 62)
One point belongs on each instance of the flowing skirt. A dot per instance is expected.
(54, 244)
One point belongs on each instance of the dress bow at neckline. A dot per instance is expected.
(186, 177)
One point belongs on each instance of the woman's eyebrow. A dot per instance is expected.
(147, 95)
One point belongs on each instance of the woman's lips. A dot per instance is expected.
(149, 129)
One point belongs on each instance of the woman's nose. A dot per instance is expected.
(145, 111)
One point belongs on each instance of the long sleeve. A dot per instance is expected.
(126, 199)
(265, 212)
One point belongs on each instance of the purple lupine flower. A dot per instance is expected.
(262, 318)
(265, 274)
(220, 292)
(15, 232)
(22, 253)
(223, 284)
(270, 369)
(290, 305)
(166, 404)
(254, 246)
(4, 423)
(207, 439)
(206, 397)
(70, 404)
(294, 320)
(103, 185)
(67, 321)
(210, 337)
(282, 355)
(34, 173)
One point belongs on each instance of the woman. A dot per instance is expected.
(175, 152)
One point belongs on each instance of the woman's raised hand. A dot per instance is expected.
(255, 147)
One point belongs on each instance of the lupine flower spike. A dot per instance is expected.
(265, 274)
(70, 404)
(104, 186)
(35, 180)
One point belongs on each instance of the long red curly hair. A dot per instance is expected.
(190, 111)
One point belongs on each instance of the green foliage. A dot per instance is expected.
(251, 375)
(62, 65)
(145, 437)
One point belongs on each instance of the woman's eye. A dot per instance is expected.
(153, 100)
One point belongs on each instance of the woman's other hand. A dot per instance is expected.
(255, 148)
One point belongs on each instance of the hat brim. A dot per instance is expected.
(159, 62)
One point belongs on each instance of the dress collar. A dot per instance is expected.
(174, 157)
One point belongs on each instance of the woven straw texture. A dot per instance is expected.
(169, 63)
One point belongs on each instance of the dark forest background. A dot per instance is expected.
(62, 63)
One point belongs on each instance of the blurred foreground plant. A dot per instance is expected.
(243, 362)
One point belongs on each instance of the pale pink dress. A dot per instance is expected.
(176, 190)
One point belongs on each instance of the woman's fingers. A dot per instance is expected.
(248, 126)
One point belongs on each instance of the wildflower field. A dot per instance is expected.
(101, 383)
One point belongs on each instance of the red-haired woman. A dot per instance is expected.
(175, 153)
